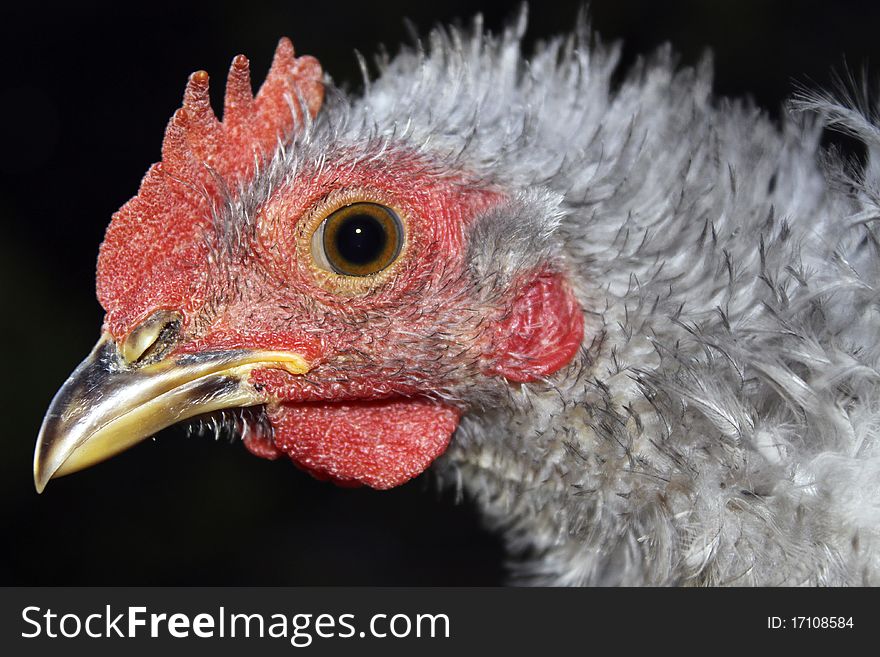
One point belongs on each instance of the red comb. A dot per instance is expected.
(153, 254)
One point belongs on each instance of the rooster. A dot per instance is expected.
(637, 324)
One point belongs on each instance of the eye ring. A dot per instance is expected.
(359, 239)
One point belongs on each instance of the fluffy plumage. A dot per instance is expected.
(720, 425)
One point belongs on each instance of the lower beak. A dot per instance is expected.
(108, 405)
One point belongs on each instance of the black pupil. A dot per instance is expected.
(361, 239)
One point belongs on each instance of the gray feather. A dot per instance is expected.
(720, 425)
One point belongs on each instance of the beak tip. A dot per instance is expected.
(41, 476)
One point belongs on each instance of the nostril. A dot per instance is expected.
(152, 339)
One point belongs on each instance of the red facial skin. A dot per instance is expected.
(380, 444)
(380, 347)
(543, 332)
(370, 423)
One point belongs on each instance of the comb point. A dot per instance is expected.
(197, 102)
(238, 100)
(200, 78)
(283, 59)
(196, 93)
(284, 48)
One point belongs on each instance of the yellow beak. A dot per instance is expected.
(108, 405)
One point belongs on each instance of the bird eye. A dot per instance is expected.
(358, 239)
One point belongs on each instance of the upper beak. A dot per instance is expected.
(107, 405)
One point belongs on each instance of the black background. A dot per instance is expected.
(85, 94)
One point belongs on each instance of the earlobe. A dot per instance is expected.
(542, 332)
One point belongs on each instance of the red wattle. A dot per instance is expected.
(381, 444)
